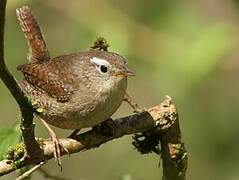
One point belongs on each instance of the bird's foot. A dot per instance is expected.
(57, 149)
(56, 144)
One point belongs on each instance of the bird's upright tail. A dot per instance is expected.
(38, 51)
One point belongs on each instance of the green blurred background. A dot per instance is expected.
(187, 49)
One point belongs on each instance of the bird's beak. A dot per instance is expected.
(125, 72)
(128, 72)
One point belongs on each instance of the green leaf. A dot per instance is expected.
(8, 137)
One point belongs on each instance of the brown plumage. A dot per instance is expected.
(57, 78)
(66, 86)
(37, 47)
(49, 80)
(74, 91)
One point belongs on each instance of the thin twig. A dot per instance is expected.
(29, 172)
(133, 105)
(2, 22)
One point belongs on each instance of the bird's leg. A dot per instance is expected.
(132, 104)
(57, 150)
(74, 133)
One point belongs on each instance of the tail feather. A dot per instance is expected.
(38, 51)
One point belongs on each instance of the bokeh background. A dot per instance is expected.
(187, 49)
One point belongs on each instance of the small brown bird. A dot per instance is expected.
(72, 91)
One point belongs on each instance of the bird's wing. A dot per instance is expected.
(38, 51)
(49, 80)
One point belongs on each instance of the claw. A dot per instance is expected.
(56, 143)
(57, 150)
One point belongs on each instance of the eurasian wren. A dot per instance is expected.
(73, 91)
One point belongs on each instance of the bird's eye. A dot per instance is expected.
(103, 69)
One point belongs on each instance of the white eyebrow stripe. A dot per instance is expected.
(99, 61)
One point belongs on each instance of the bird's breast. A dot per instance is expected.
(85, 109)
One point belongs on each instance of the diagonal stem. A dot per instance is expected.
(27, 127)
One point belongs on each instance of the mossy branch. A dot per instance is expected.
(157, 121)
